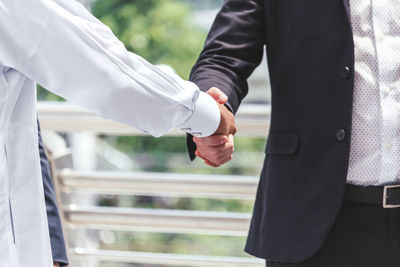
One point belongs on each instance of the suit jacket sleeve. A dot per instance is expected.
(233, 49)
(56, 234)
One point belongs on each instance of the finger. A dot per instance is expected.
(231, 140)
(200, 155)
(217, 159)
(225, 154)
(206, 161)
(215, 140)
(209, 163)
(197, 153)
(218, 95)
(222, 150)
(216, 153)
(224, 160)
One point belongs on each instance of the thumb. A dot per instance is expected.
(218, 95)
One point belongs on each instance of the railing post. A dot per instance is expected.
(84, 157)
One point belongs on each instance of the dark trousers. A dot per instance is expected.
(363, 236)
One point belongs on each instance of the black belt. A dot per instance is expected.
(388, 196)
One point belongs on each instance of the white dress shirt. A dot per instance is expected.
(60, 45)
(375, 140)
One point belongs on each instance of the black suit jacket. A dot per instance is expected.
(58, 248)
(310, 54)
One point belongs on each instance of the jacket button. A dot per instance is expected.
(340, 135)
(346, 73)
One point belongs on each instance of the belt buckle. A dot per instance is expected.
(385, 197)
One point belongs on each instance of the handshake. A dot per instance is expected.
(218, 149)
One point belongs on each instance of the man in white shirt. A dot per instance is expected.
(60, 45)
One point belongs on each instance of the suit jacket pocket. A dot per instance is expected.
(282, 143)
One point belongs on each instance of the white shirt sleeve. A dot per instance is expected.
(59, 44)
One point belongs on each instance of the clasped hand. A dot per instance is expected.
(218, 149)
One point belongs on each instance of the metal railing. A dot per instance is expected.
(252, 121)
(158, 184)
(158, 220)
(167, 259)
(161, 184)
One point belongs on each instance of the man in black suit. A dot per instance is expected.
(58, 248)
(333, 148)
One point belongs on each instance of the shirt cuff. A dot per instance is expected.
(205, 118)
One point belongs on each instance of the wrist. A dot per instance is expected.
(223, 127)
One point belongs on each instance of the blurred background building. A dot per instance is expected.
(100, 164)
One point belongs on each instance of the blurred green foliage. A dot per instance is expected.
(214, 245)
(161, 31)
(180, 203)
